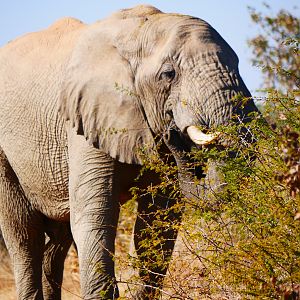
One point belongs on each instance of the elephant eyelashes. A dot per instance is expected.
(167, 75)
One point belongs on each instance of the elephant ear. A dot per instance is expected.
(98, 96)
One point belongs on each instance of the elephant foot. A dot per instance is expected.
(105, 291)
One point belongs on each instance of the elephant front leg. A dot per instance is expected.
(155, 234)
(95, 244)
(94, 213)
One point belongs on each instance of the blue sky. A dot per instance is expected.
(230, 18)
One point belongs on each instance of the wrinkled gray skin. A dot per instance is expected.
(77, 103)
(3, 250)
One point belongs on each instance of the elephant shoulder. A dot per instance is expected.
(65, 25)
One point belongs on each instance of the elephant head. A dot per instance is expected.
(142, 74)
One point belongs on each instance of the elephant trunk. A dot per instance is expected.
(225, 104)
(203, 189)
(229, 104)
(206, 189)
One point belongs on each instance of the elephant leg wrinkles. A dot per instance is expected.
(23, 232)
(94, 211)
(56, 249)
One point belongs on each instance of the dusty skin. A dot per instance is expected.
(81, 105)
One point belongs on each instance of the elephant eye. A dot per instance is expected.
(167, 75)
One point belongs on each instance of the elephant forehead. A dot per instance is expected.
(175, 35)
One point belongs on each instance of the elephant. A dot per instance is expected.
(78, 103)
(3, 250)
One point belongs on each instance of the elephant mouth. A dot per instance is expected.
(182, 144)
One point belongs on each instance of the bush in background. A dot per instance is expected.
(244, 241)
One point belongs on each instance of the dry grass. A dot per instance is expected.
(7, 289)
(70, 287)
(186, 279)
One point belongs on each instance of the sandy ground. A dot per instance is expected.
(187, 278)
(70, 287)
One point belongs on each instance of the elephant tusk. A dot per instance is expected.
(200, 138)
